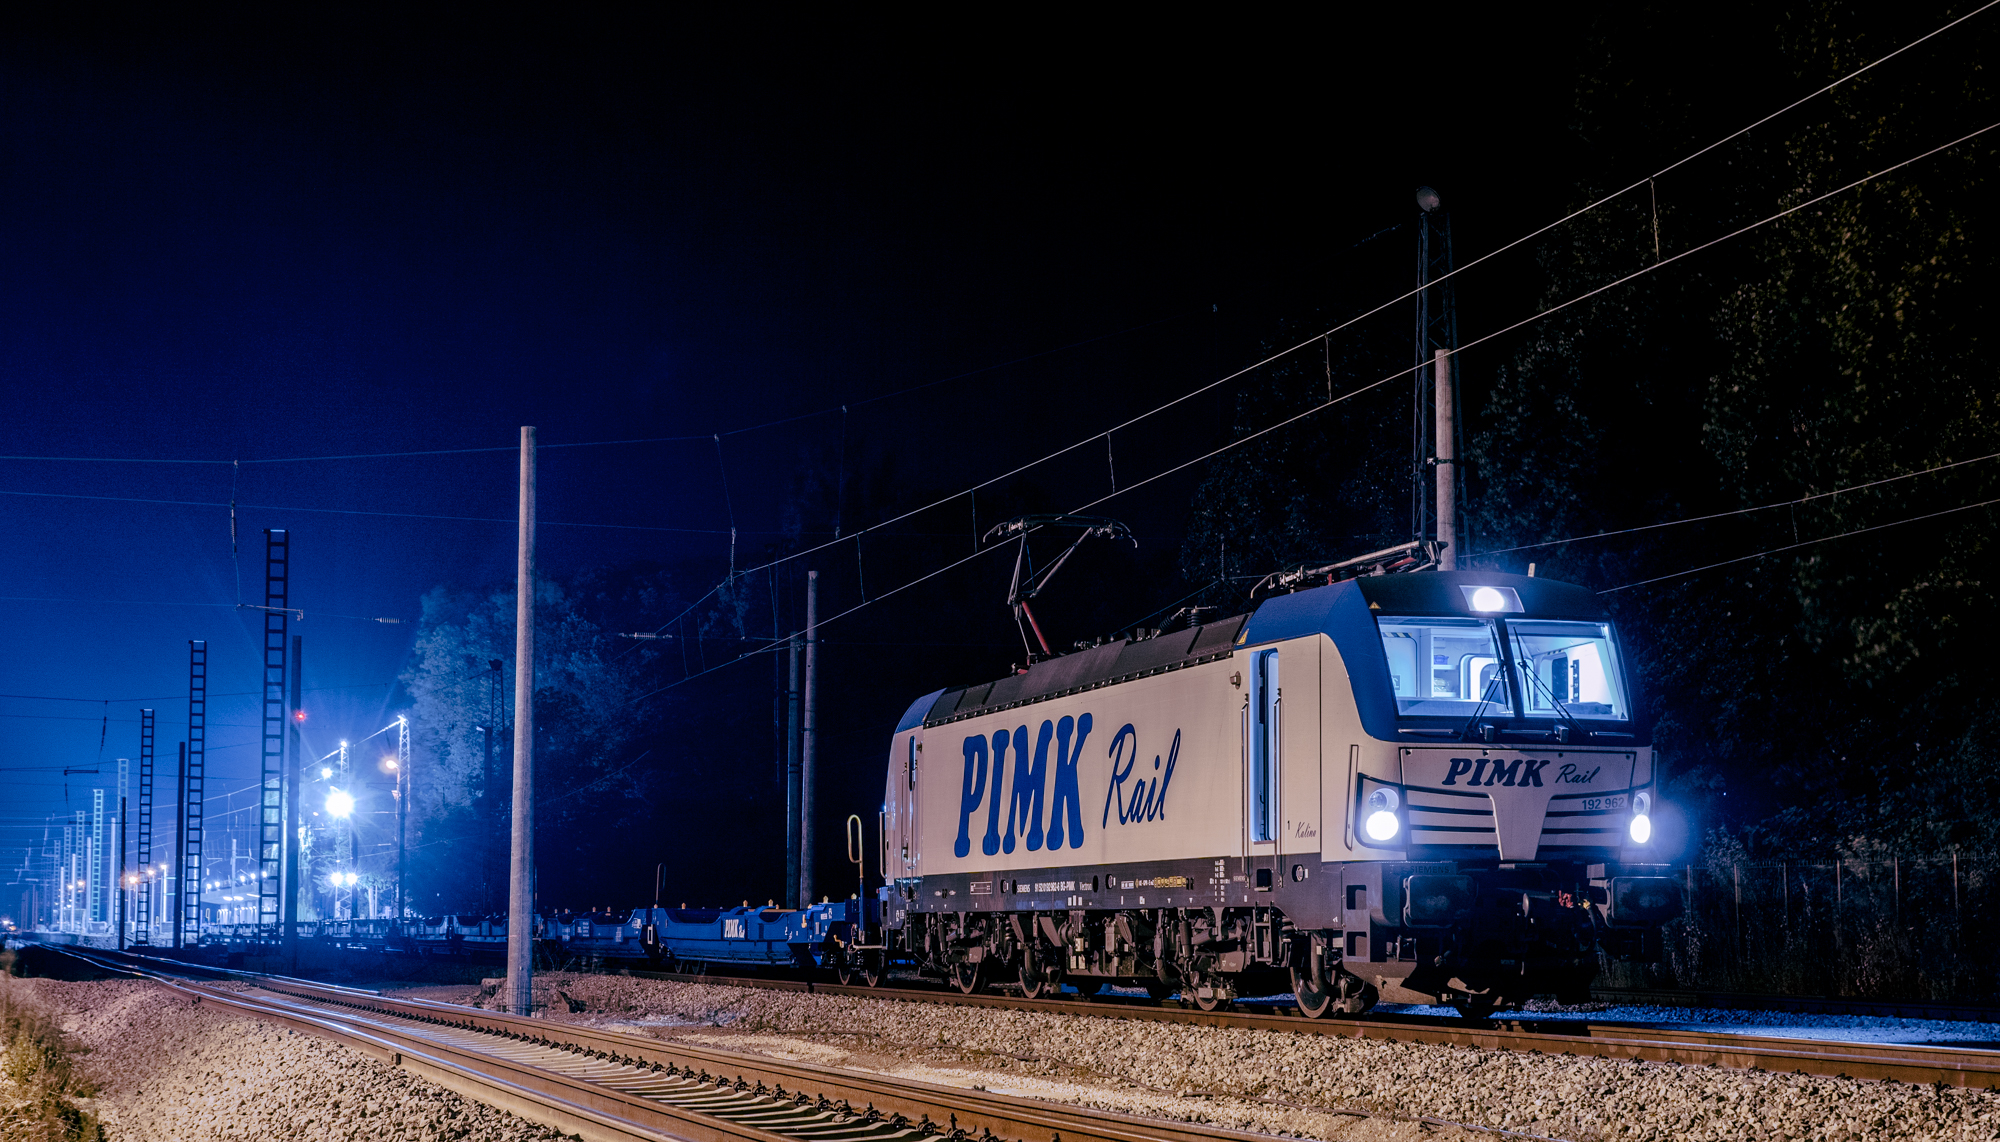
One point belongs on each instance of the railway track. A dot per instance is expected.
(607, 1085)
(1911, 1063)
(602, 1084)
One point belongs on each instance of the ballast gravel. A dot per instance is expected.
(1279, 1082)
(169, 1070)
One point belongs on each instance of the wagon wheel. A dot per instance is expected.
(1161, 989)
(872, 971)
(970, 978)
(843, 967)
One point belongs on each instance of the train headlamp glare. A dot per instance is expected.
(1642, 818)
(1380, 820)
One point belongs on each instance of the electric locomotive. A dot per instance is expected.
(1421, 787)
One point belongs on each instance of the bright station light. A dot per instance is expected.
(339, 804)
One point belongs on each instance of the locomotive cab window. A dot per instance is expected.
(1444, 666)
(1569, 669)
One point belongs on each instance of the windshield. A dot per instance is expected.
(1444, 666)
(1569, 669)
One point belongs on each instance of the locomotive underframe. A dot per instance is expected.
(1511, 932)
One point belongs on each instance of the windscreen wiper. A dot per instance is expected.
(1526, 666)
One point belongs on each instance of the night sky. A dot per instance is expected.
(263, 245)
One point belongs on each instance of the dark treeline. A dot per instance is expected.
(1829, 699)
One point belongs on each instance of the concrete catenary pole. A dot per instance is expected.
(521, 873)
(1447, 461)
(293, 815)
(793, 653)
(808, 735)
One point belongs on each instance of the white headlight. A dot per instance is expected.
(1382, 825)
(1642, 828)
(1488, 599)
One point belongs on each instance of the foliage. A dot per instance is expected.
(1830, 688)
(586, 737)
(39, 1080)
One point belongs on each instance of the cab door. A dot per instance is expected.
(1263, 716)
(912, 765)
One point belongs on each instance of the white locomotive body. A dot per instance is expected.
(1421, 786)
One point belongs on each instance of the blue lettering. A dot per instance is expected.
(1531, 773)
(1460, 765)
(1504, 772)
(1024, 810)
(1115, 793)
(1159, 805)
(1148, 799)
(971, 792)
(1066, 796)
(1476, 771)
(990, 843)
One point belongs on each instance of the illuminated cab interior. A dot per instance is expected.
(1499, 666)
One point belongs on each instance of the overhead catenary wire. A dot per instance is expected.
(1736, 511)
(1796, 546)
(358, 511)
(1324, 335)
(1397, 375)
(689, 437)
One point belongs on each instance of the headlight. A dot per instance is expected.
(1642, 818)
(1380, 820)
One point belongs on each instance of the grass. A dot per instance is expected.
(39, 1077)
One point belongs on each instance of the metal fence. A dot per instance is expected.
(1893, 927)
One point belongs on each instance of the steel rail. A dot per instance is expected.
(449, 1037)
(1916, 1063)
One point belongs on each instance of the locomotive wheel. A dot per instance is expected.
(1037, 982)
(1344, 994)
(1315, 994)
(970, 978)
(872, 972)
(843, 969)
(1161, 990)
(1213, 1001)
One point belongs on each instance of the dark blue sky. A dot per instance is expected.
(267, 244)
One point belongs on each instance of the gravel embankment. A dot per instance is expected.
(1279, 1082)
(171, 1071)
